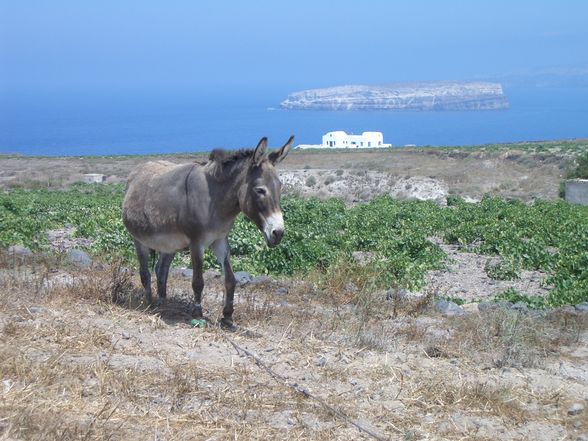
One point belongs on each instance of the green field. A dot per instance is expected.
(548, 236)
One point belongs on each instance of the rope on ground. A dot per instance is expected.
(301, 390)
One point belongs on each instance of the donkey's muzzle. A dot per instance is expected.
(275, 237)
(273, 229)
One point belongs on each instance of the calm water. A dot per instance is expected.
(127, 123)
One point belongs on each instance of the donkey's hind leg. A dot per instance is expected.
(162, 271)
(144, 255)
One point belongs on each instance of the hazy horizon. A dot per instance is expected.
(70, 45)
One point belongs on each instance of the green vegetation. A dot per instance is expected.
(581, 169)
(547, 236)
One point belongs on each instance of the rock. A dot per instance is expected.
(125, 335)
(79, 258)
(243, 277)
(36, 309)
(470, 307)
(321, 362)
(520, 306)
(8, 384)
(362, 257)
(448, 309)
(568, 310)
(401, 295)
(187, 273)
(351, 287)
(492, 306)
(582, 307)
(19, 251)
(576, 409)
(260, 280)
(282, 291)
(211, 273)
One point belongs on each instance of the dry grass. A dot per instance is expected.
(75, 365)
(507, 338)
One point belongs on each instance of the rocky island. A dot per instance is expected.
(436, 96)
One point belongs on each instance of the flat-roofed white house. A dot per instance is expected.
(341, 140)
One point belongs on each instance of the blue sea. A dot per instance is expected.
(122, 123)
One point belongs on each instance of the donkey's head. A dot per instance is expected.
(260, 200)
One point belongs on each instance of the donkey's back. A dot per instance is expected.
(154, 207)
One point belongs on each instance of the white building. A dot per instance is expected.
(341, 140)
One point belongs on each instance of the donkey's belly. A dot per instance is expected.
(166, 242)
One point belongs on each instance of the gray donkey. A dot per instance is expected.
(170, 207)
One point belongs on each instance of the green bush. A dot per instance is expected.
(581, 169)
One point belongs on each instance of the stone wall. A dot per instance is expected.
(577, 191)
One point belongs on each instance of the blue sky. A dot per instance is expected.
(290, 45)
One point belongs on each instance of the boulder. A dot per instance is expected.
(79, 258)
(19, 251)
(243, 277)
(448, 309)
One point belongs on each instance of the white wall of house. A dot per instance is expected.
(341, 140)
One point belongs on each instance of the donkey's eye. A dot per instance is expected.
(262, 191)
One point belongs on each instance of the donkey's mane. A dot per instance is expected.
(223, 163)
(224, 157)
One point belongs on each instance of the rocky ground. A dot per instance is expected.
(81, 357)
(306, 363)
(526, 172)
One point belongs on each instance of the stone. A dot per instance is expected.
(492, 306)
(351, 287)
(36, 309)
(362, 257)
(187, 273)
(404, 295)
(211, 273)
(520, 306)
(582, 307)
(125, 335)
(282, 291)
(19, 251)
(79, 258)
(260, 280)
(568, 310)
(576, 409)
(470, 307)
(448, 309)
(243, 277)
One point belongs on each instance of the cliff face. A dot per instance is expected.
(408, 96)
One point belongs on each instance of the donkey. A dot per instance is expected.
(169, 207)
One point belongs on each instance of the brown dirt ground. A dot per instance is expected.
(74, 365)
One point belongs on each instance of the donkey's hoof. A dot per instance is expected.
(228, 325)
(161, 301)
(197, 313)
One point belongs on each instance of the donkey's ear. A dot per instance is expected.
(260, 151)
(277, 156)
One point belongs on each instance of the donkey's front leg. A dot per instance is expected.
(197, 255)
(221, 250)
